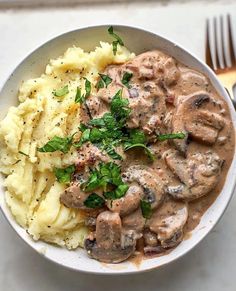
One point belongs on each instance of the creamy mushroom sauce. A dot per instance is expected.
(187, 174)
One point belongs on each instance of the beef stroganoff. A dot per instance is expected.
(116, 153)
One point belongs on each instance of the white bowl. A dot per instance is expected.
(137, 40)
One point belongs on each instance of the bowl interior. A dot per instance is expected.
(88, 38)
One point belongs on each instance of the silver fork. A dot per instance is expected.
(226, 73)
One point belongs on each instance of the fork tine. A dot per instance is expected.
(208, 48)
(216, 45)
(231, 45)
(224, 54)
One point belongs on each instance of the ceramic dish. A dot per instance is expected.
(138, 41)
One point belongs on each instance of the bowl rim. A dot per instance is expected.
(210, 74)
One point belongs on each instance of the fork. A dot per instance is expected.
(226, 73)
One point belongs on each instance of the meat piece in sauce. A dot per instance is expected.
(147, 110)
(154, 65)
(198, 173)
(111, 244)
(153, 72)
(149, 180)
(134, 221)
(190, 118)
(88, 155)
(168, 222)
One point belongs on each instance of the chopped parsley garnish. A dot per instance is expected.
(146, 209)
(119, 192)
(126, 78)
(137, 139)
(85, 136)
(119, 108)
(103, 81)
(107, 131)
(79, 97)
(64, 175)
(24, 154)
(179, 135)
(87, 87)
(61, 92)
(108, 177)
(117, 40)
(94, 201)
(109, 147)
(57, 143)
(146, 149)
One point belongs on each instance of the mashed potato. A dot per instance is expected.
(32, 192)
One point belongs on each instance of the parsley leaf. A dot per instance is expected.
(119, 108)
(117, 117)
(104, 176)
(96, 135)
(84, 138)
(140, 145)
(107, 121)
(87, 88)
(104, 81)
(179, 135)
(115, 45)
(117, 40)
(93, 181)
(61, 92)
(82, 127)
(64, 175)
(79, 98)
(94, 201)
(109, 148)
(99, 84)
(57, 144)
(136, 138)
(146, 209)
(119, 192)
(126, 78)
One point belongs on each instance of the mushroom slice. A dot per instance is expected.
(148, 179)
(111, 245)
(168, 222)
(129, 202)
(178, 165)
(202, 125)
(74, 197)
(150, 238)
(198, 173)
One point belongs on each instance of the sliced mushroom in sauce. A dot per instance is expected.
(198, 174)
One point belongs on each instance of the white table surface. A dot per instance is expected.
(212, 264)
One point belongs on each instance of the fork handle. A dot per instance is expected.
(228, 80)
